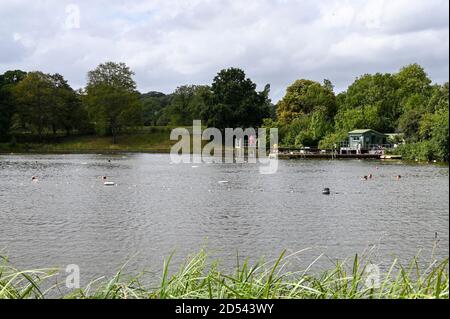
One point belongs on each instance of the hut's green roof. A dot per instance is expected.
(364, 131)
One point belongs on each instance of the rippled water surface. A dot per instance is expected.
(70, 217)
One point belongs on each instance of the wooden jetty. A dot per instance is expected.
(314, 153)
(361, 144)
(327, 156)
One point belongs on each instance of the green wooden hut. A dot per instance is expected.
(366, 139)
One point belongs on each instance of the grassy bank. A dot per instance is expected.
(200, 279)
(152, 140)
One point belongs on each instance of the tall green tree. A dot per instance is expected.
(33, 96)
(306, 112)
(234, 101)
(413, 79)
(112, 100)
(153, 108)
(434, 123)
(303, 97)
(416, 100)
(375, 99)
(439, 98)
(8, 81)
(47, 101)
(66, 111)
(187, 104)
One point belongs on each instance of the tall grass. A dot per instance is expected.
(18, 284)
(198, 278)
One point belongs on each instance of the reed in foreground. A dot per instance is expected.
(198, 278)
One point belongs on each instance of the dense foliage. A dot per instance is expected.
(154, 105)
(234, 101)
(111, 99)
(8, 81)
(310, 114)
(406, 102)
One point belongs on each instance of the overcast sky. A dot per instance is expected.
(171, 43)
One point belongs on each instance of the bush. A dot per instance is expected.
(421, 151)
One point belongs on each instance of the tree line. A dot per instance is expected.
(44, 104)
(310, 114)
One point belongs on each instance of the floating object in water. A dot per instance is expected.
(110, 184)
(391, 157)
(223, 182)
(326, 191)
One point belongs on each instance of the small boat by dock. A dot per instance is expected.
(391, 157)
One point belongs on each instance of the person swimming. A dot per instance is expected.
(398, 177)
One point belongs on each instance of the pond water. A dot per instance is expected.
(156, 208)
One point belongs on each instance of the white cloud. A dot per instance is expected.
(169, 43)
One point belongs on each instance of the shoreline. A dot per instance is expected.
(86, 152)
(167, 151)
